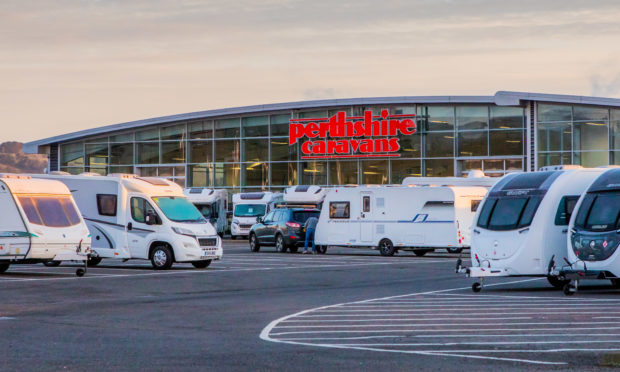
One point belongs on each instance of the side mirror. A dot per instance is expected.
(259, 219)
(151, 218)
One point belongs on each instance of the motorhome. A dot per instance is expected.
(521, 226)
(133, 217)
(213, 204)
(595, 234)
(40, 222)
(247, 207)
(304, 195)
(393, 218)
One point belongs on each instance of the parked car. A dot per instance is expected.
(282, 228)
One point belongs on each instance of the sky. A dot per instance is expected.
(68, 65)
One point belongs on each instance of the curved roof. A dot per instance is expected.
(501, 98)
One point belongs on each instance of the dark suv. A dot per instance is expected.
(282, 228)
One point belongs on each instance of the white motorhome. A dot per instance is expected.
(40, 222)
(392, 218)
(305, 195)
(247, 207)
(521, 225)
(133, 217)
(213, 204)
(595, 234)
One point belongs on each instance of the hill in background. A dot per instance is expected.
(13, 159)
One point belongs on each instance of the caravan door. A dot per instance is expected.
(138, 234)
(366, 217)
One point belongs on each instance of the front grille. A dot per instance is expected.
(245, 226)
(207, 242)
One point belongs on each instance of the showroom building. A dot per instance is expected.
(268, 147)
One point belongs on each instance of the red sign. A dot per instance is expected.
(348, 137)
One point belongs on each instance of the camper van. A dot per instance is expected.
(521, 226)
(311, 196)
(133, 217)
(213, 204)
(393, 218)
(40, 223)
(247, 207)
(595, 234)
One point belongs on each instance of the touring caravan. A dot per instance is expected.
(392, 218)
(475, 178)
(305, 195)
(595, 234)
(213, 204)
(247, 207)
(521, 226)
(133, 217)
(40, 222)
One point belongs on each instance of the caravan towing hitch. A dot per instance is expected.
(460, 269)
(81, 271)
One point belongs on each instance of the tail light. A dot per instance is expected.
(293, 224)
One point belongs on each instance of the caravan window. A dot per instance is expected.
(339, 210)
(565, 210)
(72, 213)
(106, 204)
(600, 212)
(508, 213)
(50, 211)
(31, 210)
(366, 206)
(475, 204)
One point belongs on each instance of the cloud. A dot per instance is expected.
(605, 86)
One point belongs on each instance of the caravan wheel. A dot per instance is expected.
(386, 248)
(93, 261)
(419, 252)
(161, 258)
(321, 249)
(557, 283)
(4, 266)
(201, 264)
(454, 250)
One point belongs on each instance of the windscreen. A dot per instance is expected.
(207, 210)
(508, 213)
(178, 209)
(250, 210)
(600, 212)
(302, 216)
(52, 211)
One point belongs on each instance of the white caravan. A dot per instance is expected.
(595, 234)
(521, 226)
(392, 218)
(474, 178)
(247, 207)
(305, 195)
(213, 204)
(132, 217)
(40, 223)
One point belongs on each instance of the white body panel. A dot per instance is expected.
(241, 224)
(527, 251)
(217, 200)
(411, 217)
(112, 236)
(305, 195)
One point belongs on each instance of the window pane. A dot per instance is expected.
(342, 172)
(52, 212)
(472, 117)
(200, 152)
(439, 117)
(227, 128)
(97, 154)
(201, 130)
(374, 172)
(102, 170)
(284, 174)
(591, 135)
(30, 210)
(547, 112)
(256, 126)
(173, 152)
(554, 137)
(70, 211)
(314, 173)
(439, 145)
(256, 174)
(439, 167)
(410, 146)
(281, 151)
(615, 135)
(148, 153)
(72, 155)
(590, 113)
(201, 175)
(506, 117)
(227, 151)
(591, 159)
(148, 135)
(514, 164)
(506, 213)
(313, 114)
(121, 153)
(506, 142)
(467, 165)
(615, 158)
(173, 132)
(256, 149)
(405, 168)
(227, 174)
(493, 165)
(339, 210)
(125, 137)
(279, 124)
(72, 170)
(473, 143)
(147, 171)
(121, 169)
(554, 158)
(164, 171)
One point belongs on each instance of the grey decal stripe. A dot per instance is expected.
(115, 224)
(105, 236)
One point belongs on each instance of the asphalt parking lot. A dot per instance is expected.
(347, 309)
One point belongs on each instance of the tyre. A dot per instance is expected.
(419, 252)
(294, 249)
(201, 264)
(321, 249)
(557, 283)
(615, 282)
(454, 250)
(52, 263)
(254, 244)
(569, 289)
(4, 266)
(233, 237)
(386, 248)
(476, 287)
(93, 261)
(221, 234)
(280, 245)
(161, 258)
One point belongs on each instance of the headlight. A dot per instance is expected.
(183, 231)
(235, 221)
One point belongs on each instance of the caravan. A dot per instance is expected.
(213, 204)
(148, 218)
(595, 234)
(40, 223)
(521, 226)
(392, 218)
(311, 196)
(247, 207)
